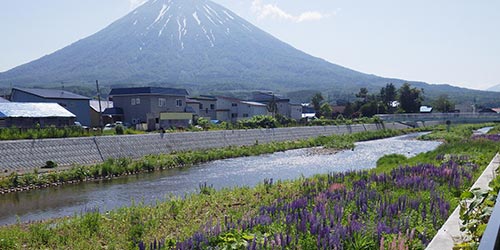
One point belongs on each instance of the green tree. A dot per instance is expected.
(349, 110)
(443, 104)
(369, 109)
(388, 93)
(272, 107)
(410, 99)
(363, 94)
(316, 101)
(325, 110)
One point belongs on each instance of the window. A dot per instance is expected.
(178, 103)
(162, 102)
(212, 106)
(245, 115)
(234, 115)
(234, 104)
(201, 106)
(135, 101)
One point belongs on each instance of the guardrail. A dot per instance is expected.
(491, 239)
(416, 117)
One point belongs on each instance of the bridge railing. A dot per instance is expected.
(491, 239)
(439, 116)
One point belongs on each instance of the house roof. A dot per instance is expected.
(149, 90)
(229, 98)
(113, 111)
(204, 98)
(30, 109)
(264, 96)
(254, 103)
(52, 93)
(94, 104)
(190, 100)
(3, 100)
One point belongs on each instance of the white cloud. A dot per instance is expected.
(136, 3)
(264, 11)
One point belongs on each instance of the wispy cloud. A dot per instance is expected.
(136, 3)
(264, 11)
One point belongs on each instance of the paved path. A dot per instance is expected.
(449, 234)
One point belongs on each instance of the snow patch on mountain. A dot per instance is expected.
(163, 10)
(195, 15)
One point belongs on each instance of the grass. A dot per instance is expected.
(53, 132)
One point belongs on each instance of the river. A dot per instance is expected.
(70, 199)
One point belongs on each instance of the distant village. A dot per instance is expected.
(145, 108)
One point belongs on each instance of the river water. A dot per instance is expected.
(246, 171)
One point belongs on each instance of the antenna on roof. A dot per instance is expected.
(62, 87)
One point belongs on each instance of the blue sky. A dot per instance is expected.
(446, 41)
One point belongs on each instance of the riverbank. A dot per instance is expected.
(264, 215)
(127, 166)
(26, 155)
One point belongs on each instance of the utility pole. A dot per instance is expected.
(99, 100)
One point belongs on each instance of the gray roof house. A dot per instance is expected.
(76, 104)
(29, 115)
(156, 106)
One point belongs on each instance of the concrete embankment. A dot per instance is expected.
(26, 155)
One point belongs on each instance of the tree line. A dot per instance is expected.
(388, 100)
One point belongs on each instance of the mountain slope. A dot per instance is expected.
(495, 88)
(183, 41)
(196, 44)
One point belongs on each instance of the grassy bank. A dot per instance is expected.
(53, 132)
(118, 167)
(389, 208)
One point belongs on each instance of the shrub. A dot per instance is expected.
(50, 164)
(119, 130)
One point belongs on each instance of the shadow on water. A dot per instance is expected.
(246, 171)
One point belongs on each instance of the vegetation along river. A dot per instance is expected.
(246, 171)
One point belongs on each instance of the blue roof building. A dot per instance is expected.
(76, 104)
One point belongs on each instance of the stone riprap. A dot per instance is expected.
(26, 155)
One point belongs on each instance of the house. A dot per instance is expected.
(76, 104)
(296, 111)
(96, 111)
(204, 106)
(232, 109)
(282, 105)
(247, 109)
(30, 115)
(154, 106)
(308, 112)
(467, 107)
(3, 100)
(227, 109)
(489, 110)
(338, 110)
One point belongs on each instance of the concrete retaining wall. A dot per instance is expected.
(26, 155)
